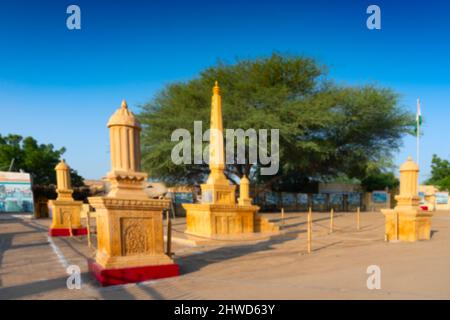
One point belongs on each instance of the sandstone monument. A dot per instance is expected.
(407, 221)
(218, 215)
(65, 210)
(130, 237)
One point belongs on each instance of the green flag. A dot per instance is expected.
(418, 118)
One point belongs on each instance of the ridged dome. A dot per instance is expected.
(123, 117)
(409, 165)
(62, 166)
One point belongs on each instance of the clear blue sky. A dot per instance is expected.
(60, 86)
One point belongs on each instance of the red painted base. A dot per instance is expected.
(65, 232)
(111, 277)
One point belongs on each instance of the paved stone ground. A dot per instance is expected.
(33, 266)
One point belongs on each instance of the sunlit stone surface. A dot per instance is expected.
(218, 215)
(407, 222)
(65, 210)
(130, 237)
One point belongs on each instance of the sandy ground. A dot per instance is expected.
(33, 266)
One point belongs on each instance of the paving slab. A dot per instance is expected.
(33, 265)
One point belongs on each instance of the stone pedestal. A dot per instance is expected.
(130, 241)
(66, 216)
(413, 225)
(407, 222)
(66, 211)
(430, 196)
(210, 220)
(431, 202)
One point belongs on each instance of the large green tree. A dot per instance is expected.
(37, 159)
(325, 129)
(440, 173)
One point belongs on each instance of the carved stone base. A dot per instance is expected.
(129, 232)
(409, 224)
(65, 214)
(65, 195)
(213, 220)
(126, 185)
(65, 232)
(110, 277)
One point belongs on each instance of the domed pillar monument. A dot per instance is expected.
(407, 221)
(65, 210)
(130, 237)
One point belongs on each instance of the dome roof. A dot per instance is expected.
(409, 165)
(123, 117)
(62, 166)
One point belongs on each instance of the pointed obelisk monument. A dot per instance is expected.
(407, 222)
(65, 210)
(218, 216)
(130, 237)
(217, 188)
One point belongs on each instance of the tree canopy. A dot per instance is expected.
(325, 129)
(380, 180)
(37, 159)
(440, 173)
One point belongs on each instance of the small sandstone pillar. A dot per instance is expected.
(65, 210)
(125, 147)
(244, 192)
(407, 222)
(130, 237)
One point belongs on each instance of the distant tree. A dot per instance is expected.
(37, 159)
(325, 129)
(379, 180)
(440, 173)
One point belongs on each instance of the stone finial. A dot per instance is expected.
(62, 165)
(409, 165)
(123, 117)
(216, 88)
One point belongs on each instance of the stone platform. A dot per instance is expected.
(275, 267)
